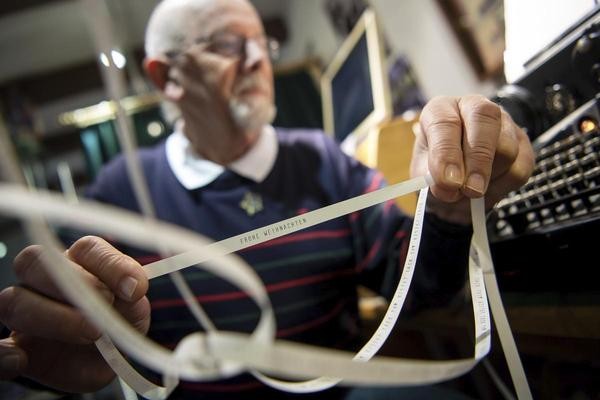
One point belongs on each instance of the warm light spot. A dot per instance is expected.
(588, 125)
(155, 129)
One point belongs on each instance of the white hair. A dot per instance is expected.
(172, 20)
(169, 25)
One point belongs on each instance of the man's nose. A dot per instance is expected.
(255, 54)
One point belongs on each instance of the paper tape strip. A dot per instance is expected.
(385, 326)
(481, 243)
(287, 226)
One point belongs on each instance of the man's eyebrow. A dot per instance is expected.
(228, 29)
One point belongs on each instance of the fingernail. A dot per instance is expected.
(476, 183)
(11, 363)
(127, 287)
(453, 174)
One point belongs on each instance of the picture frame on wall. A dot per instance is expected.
(479, 26)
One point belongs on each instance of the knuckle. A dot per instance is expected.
(522, 172)
(81, 327)
(79, 323)
(26, 259)
(437, 114)
(482, 154)
(440, 112)
(83, 246)
(110, 268)
(448, 152)
(97, 253)
(9, 299)
(485, 112)
(102, 289)
(140, 318)
(520, 179)
(474, 98)
(442, 123)
(439, 100)
(507, 149)
(116, 259)
(138, 313)
(106, 261)
(446, 145)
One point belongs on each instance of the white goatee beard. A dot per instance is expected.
(252, 114)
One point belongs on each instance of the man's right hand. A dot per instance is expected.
(51, 342)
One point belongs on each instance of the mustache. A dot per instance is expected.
(251, 82)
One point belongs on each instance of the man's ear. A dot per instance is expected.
(158, 72)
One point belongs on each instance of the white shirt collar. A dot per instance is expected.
(194, 172)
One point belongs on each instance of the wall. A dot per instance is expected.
(525, 36)
(416, 28)
(55, 36)
(310, 32)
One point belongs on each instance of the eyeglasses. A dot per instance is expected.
(232, 45)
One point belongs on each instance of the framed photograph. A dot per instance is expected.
(479, 25)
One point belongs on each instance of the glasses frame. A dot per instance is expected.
(238, 48)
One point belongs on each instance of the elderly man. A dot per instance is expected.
(209, 58)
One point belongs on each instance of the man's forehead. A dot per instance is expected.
(227, 15)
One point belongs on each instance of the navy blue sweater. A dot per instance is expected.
(311, 275)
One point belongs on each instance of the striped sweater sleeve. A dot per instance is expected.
(381, 234)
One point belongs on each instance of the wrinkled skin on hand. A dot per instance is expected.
(51, 342)
(471, 147)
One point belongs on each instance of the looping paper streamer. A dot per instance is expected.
(217, 354)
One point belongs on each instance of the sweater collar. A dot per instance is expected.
(194, 172)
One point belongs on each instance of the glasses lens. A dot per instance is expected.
(273, 48)
(228, 45)
(234, 46)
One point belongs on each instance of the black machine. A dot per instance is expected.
(543, 236)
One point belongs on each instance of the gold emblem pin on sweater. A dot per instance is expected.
(251, 203)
